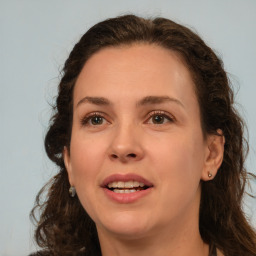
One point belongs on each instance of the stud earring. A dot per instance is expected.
(209, 174)
(72, 191)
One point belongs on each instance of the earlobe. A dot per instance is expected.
(66, 158)
(214, 156)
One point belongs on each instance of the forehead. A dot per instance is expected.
(134, 70)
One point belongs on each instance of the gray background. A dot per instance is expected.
(35, 39)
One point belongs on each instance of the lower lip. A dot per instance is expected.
(126, 198)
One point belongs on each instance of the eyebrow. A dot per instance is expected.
(151, 100)
(94, 100)
(148, 100)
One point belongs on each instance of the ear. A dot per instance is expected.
(67, 162)
(214, 155)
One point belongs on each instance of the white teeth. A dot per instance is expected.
(113, 184)
(118, 191)
(136, 184)
(125, 184)
(122, 191)
(120, 184)
(142, 184)
(128, 184)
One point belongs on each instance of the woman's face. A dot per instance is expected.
(137, 152)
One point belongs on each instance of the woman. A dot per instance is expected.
(149, 146)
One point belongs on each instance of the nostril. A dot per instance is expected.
(132, 155)
(123, 157)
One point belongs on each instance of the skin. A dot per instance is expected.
(173, 155)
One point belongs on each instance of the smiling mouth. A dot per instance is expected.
(126, 186)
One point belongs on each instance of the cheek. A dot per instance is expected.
(178, 175)
(179, 162)
(86, 157)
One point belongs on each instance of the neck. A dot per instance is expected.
(177, 241)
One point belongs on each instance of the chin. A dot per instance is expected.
(126, 225)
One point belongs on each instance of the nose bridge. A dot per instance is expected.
(126, 142)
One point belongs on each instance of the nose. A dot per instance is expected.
(126, 145)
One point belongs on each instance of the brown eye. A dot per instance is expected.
(93, 119)
(96, 120)
(158, 119)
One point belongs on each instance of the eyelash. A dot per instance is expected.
(85, 121)
(164, 114)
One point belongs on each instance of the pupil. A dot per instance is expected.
(158, 119)
(96, 120)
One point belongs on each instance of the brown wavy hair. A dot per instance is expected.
(63, 226)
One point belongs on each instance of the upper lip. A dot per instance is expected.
(125, 177)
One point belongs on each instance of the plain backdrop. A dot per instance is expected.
(36, 37)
